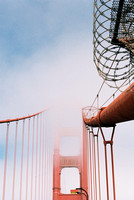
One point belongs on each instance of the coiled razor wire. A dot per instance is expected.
(113, 39)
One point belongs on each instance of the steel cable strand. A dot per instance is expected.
(22, 152)
(36, 161)
(118, 89)
(43, 144)
(90, 151)
(106, 162)
(27, 170)
(93, 167)
(32, 164)
(14, 166)
(88, 165)
(98, 160)
(5, 163)
(40, 137)
(7, 122)
(22, 118)
(94, 156)
(45, 168)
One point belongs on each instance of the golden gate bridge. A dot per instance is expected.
(31, 167)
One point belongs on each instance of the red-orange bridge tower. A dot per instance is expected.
(60, 162)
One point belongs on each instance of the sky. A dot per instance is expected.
(46, 61)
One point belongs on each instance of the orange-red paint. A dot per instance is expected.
(60, 162)
(120, 110)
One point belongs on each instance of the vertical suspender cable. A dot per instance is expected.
(50, 170)
(112, 161)
(105, 146)
(36, 157)
(49, 173)
(32, 158)
(27, 172)
(98, 101)
(88, 167)
(14, 168)
(45, 174)
(47, 177)
(42, 194)
(95, 166)
(90, 154)
(40, 156)
(5, 164)
(98, 166)
(106, 167)
(21, 173)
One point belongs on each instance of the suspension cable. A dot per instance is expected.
(27, 171)
(43, 141)
(90, 153)
(32, 157)
(14, 168)
(40, 136)
(36, 164)
(21, 118)
(98, 160)
(5, 165)
(27, 146)
(22, 150)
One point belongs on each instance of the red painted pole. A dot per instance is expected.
(120, 110)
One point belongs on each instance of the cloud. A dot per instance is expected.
(30, 25)
(57, 76)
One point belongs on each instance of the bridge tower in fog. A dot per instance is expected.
(60, 162)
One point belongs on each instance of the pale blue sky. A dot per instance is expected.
(28, 26)
(42, 44)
